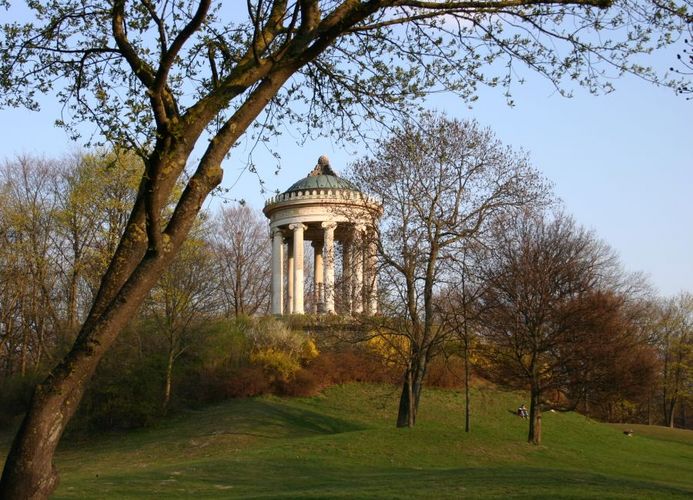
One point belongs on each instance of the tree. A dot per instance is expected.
(30, 264)
(93, 193)
(622, 366)
(674, 340)
(440, 181)
(184, 295)
(549, 310)
(458, 307)
(685, 63)
(58, 228)
(242, 253)
(160, 78)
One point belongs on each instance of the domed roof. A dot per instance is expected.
(322, 177)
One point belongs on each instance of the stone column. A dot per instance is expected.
(328, 258)
(357, 298)
(298, 267)
(277, 271)
(290, 276)
(371, 264)
(318, 276)
(346, 276)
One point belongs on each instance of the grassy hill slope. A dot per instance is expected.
(344, 444)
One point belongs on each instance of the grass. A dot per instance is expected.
(343, 444)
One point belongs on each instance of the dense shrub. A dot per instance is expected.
(230, 358)
(123, 400)
(15, 395)
(247, 382)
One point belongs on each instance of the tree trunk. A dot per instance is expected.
(411, 393)
(466, 386)
(72, 301)
(29, 471)
(670, 410)
(23, 357)
(404, 415)
(534, 435)
(169, 378)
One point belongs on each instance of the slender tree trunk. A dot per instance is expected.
(23, 357)
(169, 379)
(466, 385)
(670, 408)
(411, 405)
(72, 302)
(534, 435)
(411, 393)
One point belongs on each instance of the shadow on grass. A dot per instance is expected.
(301, 421)
(316, 479)
(255, 418)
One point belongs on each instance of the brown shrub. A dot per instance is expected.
(247, 382)
(351, 365)
(304, 383)
(445, 373)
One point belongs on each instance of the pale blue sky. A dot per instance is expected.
(622, 163)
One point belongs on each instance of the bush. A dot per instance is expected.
(247, 382)
(445, 373)
(122, 399)
(303, 384)
(351, 365)
(280, 351)
(15, 396)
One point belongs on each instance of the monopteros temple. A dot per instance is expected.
(340, 223)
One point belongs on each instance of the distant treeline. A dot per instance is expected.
(201, 335)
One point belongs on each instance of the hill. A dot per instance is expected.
(343, 444)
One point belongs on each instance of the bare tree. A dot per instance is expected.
(160, 78)
(93, 193)
(57, 228)
(30, 260)
(458, 309)
(441, 181)
(547, 304)
(242, 252)
(184, 296)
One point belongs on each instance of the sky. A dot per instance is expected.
(622, 163)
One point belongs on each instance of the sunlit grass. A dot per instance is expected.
(344, 444)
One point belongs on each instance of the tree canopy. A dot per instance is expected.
(136, 68)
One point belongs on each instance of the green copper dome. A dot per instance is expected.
(322, 182)
(322, 177)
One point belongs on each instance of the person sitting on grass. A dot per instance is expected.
(522, 411)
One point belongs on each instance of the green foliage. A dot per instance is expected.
(123, 399)
(125, 391)
(224, 343)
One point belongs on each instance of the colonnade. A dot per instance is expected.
(358, 287)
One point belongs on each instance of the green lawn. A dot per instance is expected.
(344, 444)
